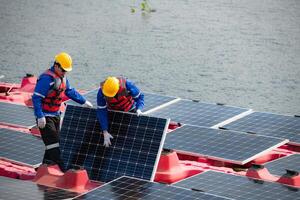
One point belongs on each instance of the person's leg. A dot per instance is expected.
(51, 140)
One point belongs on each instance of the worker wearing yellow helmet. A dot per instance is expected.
(117, 93)
(51, 89)
(64, 60)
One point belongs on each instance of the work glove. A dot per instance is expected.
(88, 104)
(139, 112)
(107, 138)
(41, 122)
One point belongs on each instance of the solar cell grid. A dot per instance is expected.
(21, 147)
(196, 113)
(12, 189)
(239, 187)
(278, 167)
(130, 188)
(269, 124)
(16, 115)
(223, 145)
(135, 148)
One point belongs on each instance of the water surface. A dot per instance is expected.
(242, 53)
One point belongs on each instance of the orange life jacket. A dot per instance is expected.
(53, 100)
(123, 101)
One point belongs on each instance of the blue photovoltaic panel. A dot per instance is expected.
(269, 124)
(135, 148)
(196, 113)
(131, 188)
(278, 167)
(231, 146)
(239, 187)
(12, 189)
(21, 147)
(90, 96)
(16, 115)
(151, 100)
(155, 100)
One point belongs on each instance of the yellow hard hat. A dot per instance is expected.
(64, 60)
(111, 86)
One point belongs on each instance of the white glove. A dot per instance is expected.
(139, 112)
(107, 138)
(41, 122)
(88, 104)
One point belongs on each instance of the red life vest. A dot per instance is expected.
(53, 100)
(123, 101)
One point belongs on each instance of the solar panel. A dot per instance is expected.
(234, 147)
(135, 149)
(11, 189)
(154, 100)
(151, 100)
(90, 95)
(239, 187)
(21, 147)
(281, 126)
(278, 167)
(131, 188)
(196, 113)
(16, 115)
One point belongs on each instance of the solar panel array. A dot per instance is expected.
(269, 124)
(12, 189)
(151, 100)
(16, 115)
(130, 188)
(135, 148)
(234, 147)
(196, 113)
(239, 187)
(21, 147)
(278, 167)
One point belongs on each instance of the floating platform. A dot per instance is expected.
(192, 148)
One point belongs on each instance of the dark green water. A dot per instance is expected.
(242, 53)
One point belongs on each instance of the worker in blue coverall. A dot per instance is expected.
(117, 93)
(47, 99)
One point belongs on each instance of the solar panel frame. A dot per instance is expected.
(19, 115)
(22, 148)
(229, 146)
(197, 113)
(104, 164)
(11, 189)
(133, 188)
(279, 166)
(238, 187)
(269, 124)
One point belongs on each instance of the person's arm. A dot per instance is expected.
(40, 92)
(102, 111)
(73, 94)
(136, 94)
(102, 116)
